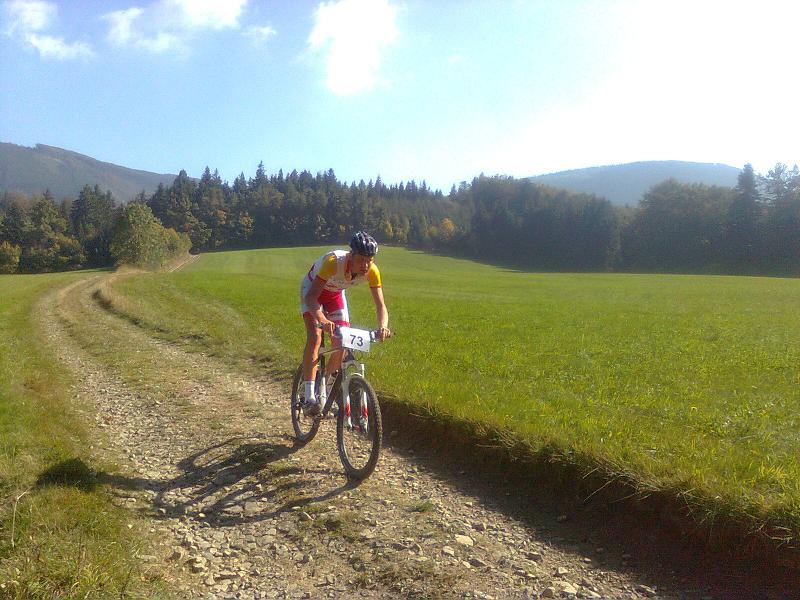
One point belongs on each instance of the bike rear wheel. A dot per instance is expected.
(359, 434)
(305, 426)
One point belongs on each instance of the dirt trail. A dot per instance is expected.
(240, 512)
(182, 262)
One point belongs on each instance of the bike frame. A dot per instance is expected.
(349, 366)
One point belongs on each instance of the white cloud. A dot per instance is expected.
(214, 14)
(29, 19)
(128, 30)
(26, 16)
(161, 42)
(121, 31)
(54, 47)
(168, 25)
(355, 33)
(259, 33)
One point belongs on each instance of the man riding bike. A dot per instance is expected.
(323, 303)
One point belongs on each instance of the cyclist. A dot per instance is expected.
(323, 304)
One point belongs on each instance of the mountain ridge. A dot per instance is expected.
(65, 172)
(32, 170)
(626, 183)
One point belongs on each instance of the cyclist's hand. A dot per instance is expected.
(327, 326)
(383, 333)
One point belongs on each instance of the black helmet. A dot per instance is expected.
(364, 243)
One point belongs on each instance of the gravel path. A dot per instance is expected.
(240, 512)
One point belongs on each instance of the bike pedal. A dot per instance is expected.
(311, 410)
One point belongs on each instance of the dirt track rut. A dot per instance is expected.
(238, 511)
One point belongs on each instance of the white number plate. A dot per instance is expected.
(356, 339)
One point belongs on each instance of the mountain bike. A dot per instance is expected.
(350, 399)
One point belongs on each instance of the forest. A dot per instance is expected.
(753, 228)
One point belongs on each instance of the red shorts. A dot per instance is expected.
(333, 304)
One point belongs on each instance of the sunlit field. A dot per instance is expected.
(688, 384)
(60, 534)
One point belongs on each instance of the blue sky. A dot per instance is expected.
(434, 90)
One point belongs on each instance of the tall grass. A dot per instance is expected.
(688, 384)
(60, 535)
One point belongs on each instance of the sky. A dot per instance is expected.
(430, 90)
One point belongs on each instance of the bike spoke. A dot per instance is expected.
(359, 432)
(305, 426)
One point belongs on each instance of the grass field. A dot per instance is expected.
(60, 534)
(685, 384)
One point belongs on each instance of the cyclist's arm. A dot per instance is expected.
(381, 311)
(311, 302)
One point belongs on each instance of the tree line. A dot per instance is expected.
(39, 236)
(753, 228)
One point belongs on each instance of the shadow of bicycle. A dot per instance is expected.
(234, 481)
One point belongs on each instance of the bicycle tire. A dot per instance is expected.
(358, 450)
(305, 427)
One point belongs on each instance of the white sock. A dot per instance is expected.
(309, 389)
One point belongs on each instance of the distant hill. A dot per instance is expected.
(625, 184)
(64, 173)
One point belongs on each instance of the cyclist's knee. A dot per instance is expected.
(313, 337)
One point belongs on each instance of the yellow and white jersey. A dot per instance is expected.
(333, 268)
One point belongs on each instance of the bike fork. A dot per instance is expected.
(322, 394)
(364, 406)
(364, 410)
(348, 421)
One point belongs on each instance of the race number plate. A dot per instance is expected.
(355, 339)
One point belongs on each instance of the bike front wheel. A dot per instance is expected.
(359, 431)
(305, 426)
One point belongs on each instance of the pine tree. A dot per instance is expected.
(742, 224)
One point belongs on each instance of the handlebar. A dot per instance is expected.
(373, 333)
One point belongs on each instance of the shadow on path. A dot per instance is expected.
(238, 480)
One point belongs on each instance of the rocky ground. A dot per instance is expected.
(236, 510)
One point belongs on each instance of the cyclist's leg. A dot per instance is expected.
(313, 334)
(336, 310)
(310, 353)
(311, 350)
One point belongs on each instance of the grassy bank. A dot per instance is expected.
(688, 385)
(60, 534)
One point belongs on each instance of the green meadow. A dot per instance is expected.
(60, 534)
(683, 384)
